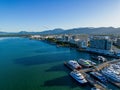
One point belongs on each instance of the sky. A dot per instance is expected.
(40, 15)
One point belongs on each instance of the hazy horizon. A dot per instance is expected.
(40, 15)
(55, 29)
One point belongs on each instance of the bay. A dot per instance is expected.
(34, 65)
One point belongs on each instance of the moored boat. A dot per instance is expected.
(99, 76)
(86, 63)
(94, 88)
(111, 74)
(74, 65)
(78, 77)
(99, 58)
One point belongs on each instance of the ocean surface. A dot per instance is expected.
(35, 65)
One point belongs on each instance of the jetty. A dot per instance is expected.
(105, 64)
(94, 83)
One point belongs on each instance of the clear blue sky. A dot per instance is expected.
(40, 15)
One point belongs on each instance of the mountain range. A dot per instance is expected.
(86, 30)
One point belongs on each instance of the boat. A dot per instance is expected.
(99, 76)
(94, 88)
(78, 77)
(99, 58)
(86, 63)
(74, 65)
(111, 74)
(91, 62)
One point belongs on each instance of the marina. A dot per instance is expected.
(59, 44)
(74, 56)
(92, 71)
(97, 72)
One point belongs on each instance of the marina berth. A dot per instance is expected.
(78, 77)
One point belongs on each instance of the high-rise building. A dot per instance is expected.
(101, 42)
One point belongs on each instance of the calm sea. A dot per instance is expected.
(34, 65)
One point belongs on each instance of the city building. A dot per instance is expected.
(82, 44)
(100, 42)
(117, 42)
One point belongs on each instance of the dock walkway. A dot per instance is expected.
(94, 82)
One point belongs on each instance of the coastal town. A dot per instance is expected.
(87, 71)
(59, 44)
(100, 44)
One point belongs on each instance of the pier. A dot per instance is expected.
(94, 82)
(105, 64)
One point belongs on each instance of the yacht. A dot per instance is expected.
(86, 63)
(94, 88)
(74, 64)
(111, 74)
(99, 58)
(99, 76)
(78, 77)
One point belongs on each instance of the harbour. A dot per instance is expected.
(60, 45)
(35, 65)
(95, 68)
(57, 67)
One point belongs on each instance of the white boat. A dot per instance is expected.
(86, 63)
(78, 77)
(74, 64)
(111, 74)
(94, 88)
(99, 58)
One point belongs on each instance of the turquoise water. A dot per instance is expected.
(34, 65)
